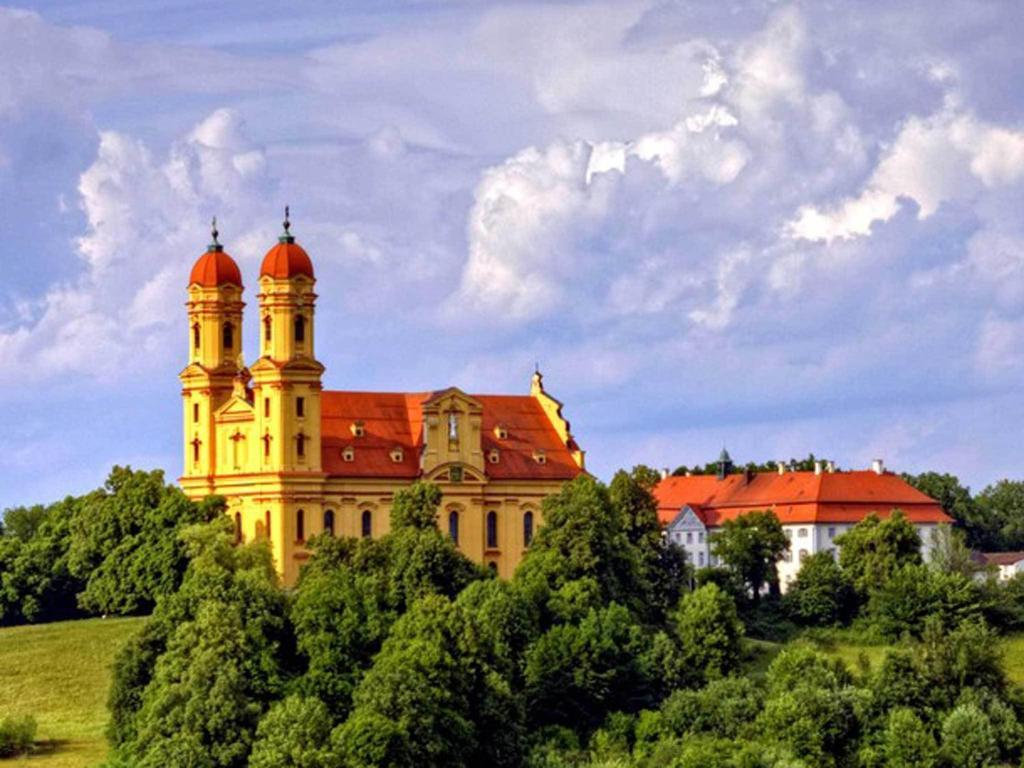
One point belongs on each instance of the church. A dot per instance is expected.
(295, 460)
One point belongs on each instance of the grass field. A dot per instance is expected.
(59, 673)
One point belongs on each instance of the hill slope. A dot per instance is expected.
(59, 673)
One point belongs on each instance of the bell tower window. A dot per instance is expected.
(195, 338)
(300, 445)
(300, 525)
(268, 332)
(229, 336)
(300, 406)
(300, 329)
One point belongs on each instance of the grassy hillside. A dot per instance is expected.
(59, 673)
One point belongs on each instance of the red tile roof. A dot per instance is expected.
(215, 268)
(796, 497)
(286, 260)
(1002, 558)
(395, 419)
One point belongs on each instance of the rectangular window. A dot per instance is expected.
(195, 412)
(689, 537)
(700, 536)
(802, 533)
(266, 407)
(831, 532)
(300, 406)
(700, 559)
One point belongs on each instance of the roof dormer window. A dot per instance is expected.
(494, 456)
(358, 428)
(539, 456)
(501, 432)
(397, 454)
(348, 453)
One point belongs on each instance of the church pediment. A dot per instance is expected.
(235, 409)
(452, 397)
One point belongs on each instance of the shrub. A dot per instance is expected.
(908, 744)
(17, 735)
(822, 594)
(967, 738)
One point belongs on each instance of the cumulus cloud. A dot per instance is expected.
(142, 214)
(946, 156)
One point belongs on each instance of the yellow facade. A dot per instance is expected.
(254, 436)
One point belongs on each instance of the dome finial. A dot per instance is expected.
(287, 237)
(215, 244)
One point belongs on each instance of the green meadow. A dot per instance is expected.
(59, 673)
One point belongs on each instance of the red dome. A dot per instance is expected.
(285, 260)
(215, 268)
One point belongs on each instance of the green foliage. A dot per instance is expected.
(751, 545)
(295, 733)
(17, 735)
(575, 672)
(874, 549)
(22, 522)
(913, 593)
(967, 738)
(948, 552)
(115, 550)
(709, 633)
(821, 595)
(1001, 507)
(416, 507)
(583, 538)
(907, 742)
(218, 646)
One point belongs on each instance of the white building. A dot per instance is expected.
(1005, 564)
(813, 507)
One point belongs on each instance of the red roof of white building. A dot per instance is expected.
(1002, 558)
(393, 420)
(796, 497)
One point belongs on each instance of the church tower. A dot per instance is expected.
(287, 376)
(215, 343)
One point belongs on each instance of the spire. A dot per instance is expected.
(287, 237)
(214, 244)
(724, 464)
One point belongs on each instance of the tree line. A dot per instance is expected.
(399, 651)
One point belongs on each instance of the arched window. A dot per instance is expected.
(367, 523)
(195, 337)
(329, 522)
(494, 567)
(453, 525)
(300, 525)
(492, 530)
(267, 329)
(238, 527)
(266, 446)
(229, 336)
(300, 329)
(300, 445)
(527, 528)
(195, 450)
(266, 525)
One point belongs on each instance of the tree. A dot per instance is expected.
(583, 539)
(821, 594)
(576, 672)
(948, 552)
(912, 594)
(907, 743)
(416, 507)
(295, 733)
(215, 659)
(957, 502)
(967, 738)
(709, 633)
(874, 549)
(751, 545)
(1002, 508)
(662, 563)
(23, 522)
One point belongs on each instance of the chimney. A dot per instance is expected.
(782, 467)
(748, 475)
(878, 466)
(817, 467)
(830, 467)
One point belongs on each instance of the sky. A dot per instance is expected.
(782, 227)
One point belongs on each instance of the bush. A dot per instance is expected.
(17, 735)
(908, 744)
(709, 633)
(967, 738)
(821, 595)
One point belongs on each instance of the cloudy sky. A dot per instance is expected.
(783, 227)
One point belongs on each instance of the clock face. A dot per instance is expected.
(455, 474)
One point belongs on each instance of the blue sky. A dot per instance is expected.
(785, 227)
